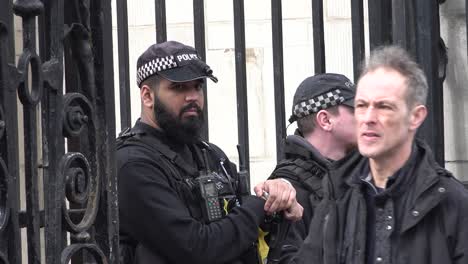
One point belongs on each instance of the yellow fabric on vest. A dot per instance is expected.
(263, 247)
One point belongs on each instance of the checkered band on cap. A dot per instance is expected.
(318, 103)
(153, 66)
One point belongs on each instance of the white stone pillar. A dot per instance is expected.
(453, 31)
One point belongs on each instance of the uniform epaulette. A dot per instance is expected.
(128, 132)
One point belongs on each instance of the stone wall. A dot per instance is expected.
(453, 31)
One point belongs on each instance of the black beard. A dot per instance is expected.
(186, 130)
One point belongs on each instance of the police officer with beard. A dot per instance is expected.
(181, 200)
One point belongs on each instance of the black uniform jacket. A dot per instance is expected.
(162, 218)
(424, 219)
(305, 168)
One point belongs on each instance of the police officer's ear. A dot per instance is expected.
(147, 96)
(323, 120)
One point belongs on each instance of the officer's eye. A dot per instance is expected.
(177, 86)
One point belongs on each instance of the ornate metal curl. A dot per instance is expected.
(27, 8)
(95, 251)
(77, 113)
(33, 97)
(80, 187)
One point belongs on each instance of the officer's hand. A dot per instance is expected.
(280, 195)
(294, 213)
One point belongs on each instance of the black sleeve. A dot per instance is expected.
(297, 231)
(152, 212)
(321, 234)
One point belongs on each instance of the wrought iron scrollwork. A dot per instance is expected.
(80, 187)
(30, 97)
(26, 59)
(28, 10)
(77, 114)
(94, 250)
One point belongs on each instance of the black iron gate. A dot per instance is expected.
(69, 188)
(64, 83)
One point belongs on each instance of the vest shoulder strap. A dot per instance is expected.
(308, 172)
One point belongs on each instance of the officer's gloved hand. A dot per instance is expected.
(280, 195)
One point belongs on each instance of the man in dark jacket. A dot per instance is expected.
(180, 199)
(323, 108)
(400, 206)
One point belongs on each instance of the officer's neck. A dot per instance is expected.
(149, 120)
(326, 145)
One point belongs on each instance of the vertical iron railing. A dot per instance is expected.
(380, 23)
(30, 92)
(319, 39)
(10, 235)
(278, 75)
(199, 34)
(357, 24)
(107, 224)
(124, 78)
(427, 29)
(241, 80)
(51, 51)
(402, 23)
(161, 28)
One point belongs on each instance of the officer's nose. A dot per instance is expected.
(193, 94)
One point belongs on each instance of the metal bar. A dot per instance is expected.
(30, 174)
(380, 23)
(161, 29)
(400, 23)
(241, 80)
(29, 98)
(427, 36)
(357, 24)
(107, 224)
(278, 75)
(9, 141)
(319, 40)
(124, 78)
(199, 33)
(51, 30)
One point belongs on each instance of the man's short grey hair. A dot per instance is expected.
(396, 58)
